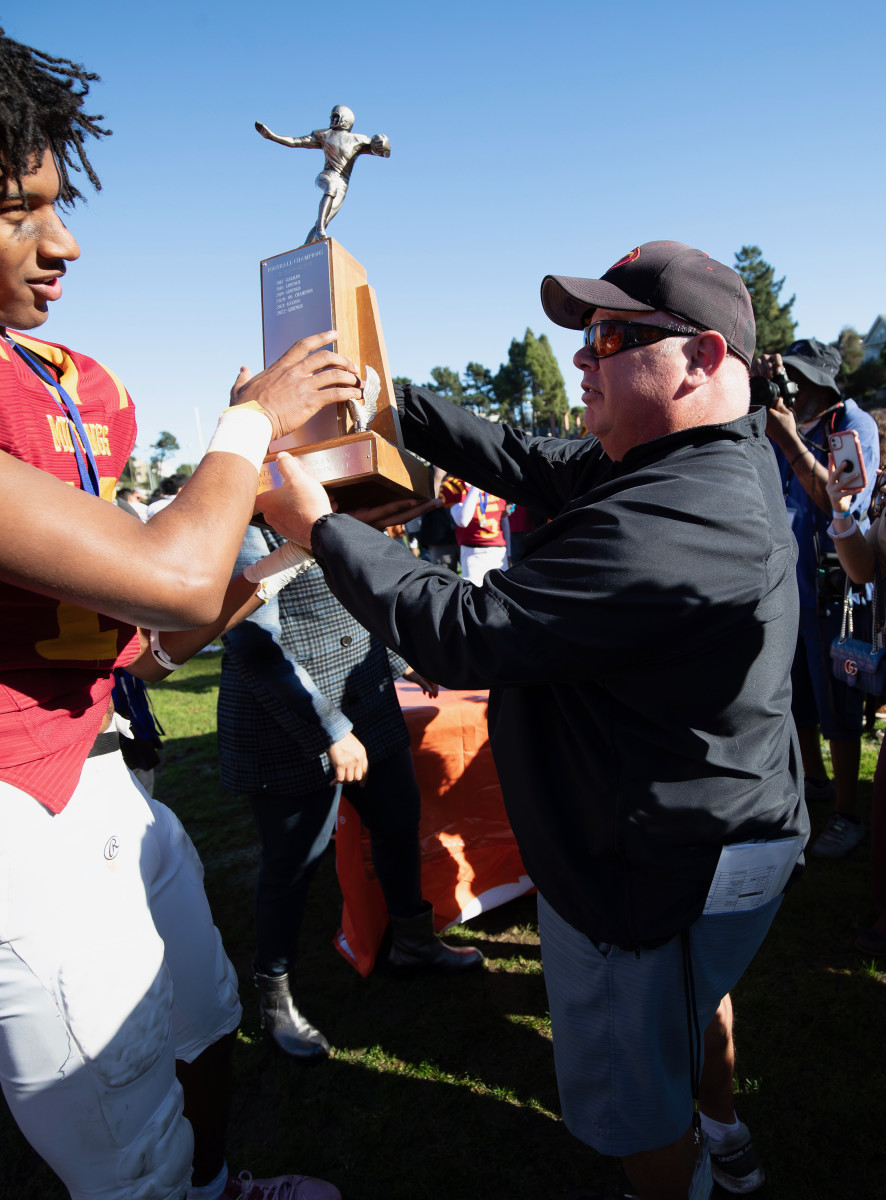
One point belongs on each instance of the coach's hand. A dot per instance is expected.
(293, 507)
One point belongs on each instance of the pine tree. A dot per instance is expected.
(510, 385)
(547, 388)
(775, 325)
(478, 395)
(445, 382)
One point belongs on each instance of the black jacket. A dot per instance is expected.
(638, 657)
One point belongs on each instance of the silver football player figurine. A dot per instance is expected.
(341, 148)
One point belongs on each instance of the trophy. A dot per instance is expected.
(355, 451)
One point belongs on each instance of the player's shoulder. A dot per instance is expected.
(84, 377)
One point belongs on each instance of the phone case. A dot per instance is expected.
(846, 446)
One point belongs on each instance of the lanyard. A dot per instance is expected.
(87, 468)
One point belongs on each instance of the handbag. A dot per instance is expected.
(855, 662)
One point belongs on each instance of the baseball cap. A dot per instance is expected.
(816, 361)
(667, 276)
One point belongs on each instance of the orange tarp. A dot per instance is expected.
(470, 860)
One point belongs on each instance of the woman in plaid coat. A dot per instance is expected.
(307, 708)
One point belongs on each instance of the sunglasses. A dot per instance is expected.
(604, 338)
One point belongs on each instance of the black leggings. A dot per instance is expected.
(295, 830)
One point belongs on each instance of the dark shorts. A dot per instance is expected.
(621, 1042)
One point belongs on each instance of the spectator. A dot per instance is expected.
(821, 702)
(307, 702)
(126, 499)
(861, 556)
(169, 489)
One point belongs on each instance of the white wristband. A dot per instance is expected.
(244, 430)
(278, 568)
(832, 533)
(160, 655)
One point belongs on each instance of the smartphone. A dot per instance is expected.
(845, 447)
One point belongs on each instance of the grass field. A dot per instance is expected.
(444, 1090)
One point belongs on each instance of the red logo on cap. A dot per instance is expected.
(632, 257)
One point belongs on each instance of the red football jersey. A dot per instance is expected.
(56, 658)
(484, 528)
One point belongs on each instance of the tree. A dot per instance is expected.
(775, 325)
(866, 379)
(165, 445)
(546, 386)
(851, 347)
(510, 385)
(401, 381)
(445, 382)
(479, 394)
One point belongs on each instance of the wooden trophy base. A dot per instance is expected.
(321, 286)
(360, 470)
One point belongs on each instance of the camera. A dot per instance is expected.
(767, 391)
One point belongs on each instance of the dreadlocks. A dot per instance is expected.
(39, 106)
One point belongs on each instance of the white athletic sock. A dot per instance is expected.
(716, 1130)
(210, 1191)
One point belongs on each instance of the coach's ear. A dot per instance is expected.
(706, 353)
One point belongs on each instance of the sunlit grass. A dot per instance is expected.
(444, 1089)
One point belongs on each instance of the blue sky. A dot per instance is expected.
(526, 139)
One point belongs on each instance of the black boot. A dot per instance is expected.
(416, 948)
(294, 1035)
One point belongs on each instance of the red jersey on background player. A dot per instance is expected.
(481, 527)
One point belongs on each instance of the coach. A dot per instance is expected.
(639, 661)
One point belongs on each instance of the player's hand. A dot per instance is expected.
(243, 377)
(347, 758)
(293, 507)
(429, 688)
(262, 129)
(301, 382)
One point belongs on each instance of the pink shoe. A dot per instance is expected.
(282, 1187)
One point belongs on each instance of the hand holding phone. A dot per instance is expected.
(847, 459)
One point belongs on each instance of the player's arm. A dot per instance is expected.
(240, 601)
(174, 571)
(464, 511)
(308, 142)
